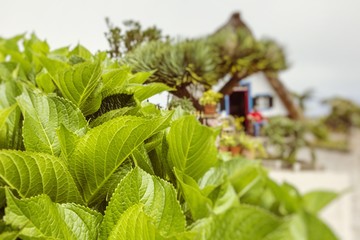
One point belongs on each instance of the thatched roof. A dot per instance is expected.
(235, 23)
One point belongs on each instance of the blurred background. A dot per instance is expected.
(320, 37)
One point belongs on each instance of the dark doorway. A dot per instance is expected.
(239, 105)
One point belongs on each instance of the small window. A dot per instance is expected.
(263, 101)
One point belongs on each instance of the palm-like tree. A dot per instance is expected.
(303, 97)
(193, 66)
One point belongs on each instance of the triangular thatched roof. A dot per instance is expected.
(235, 23)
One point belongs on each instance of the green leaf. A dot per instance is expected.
(32, 174)
(67, 140)
(132, 111)
(158, 154)
(44, 82)
(317, 229)
(115, 81)
(43, 115)
(2, 198)
(288, 197)
(192, 147)
(157, 196)
(242, 222)
(4, 114)
(53, 66)
(11, 131)
(246, 177)
(82, 52)
(288, 231)
(101, 151)
(6, 69)
(40, 218)
(8, 93)
(10, 235)
(316, 200)
(78, 83)
(115, 179)
(143, 92)
(148, 109)
(302, 226)
(112, 103)
(211, 180)
(154, 141)
(224, 197)
(140, 77)
(6, 231)
(199, 205)
(59, 52)
(134, 224)
(141, 159)
(10, 137)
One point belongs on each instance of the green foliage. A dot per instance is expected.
(302, 98)
(43, 115)
(157, 198)
(194, 65)
(117, 148)
(210, 97)
(83, 156)
(27, 173)
(190, 144)
(133, 36)
(316, 200)
(183, 103)
(319, 130)
(344, 114)
(246, 143)
(228, 140)
(39, 217)
(176, 64)
(288, 136)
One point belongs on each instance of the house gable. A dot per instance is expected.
(264, 95)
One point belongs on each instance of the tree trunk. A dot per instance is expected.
(233, 82)
(284, 95)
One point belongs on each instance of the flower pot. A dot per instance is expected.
(235, 150)
(210, 109)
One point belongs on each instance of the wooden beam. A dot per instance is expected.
(233, 82)
(294, 111)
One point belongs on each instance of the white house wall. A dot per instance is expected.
(261, 86)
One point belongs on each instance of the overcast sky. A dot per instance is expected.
(321, 37)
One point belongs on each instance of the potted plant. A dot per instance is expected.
(209, 100)
(235, 149)
(227, 143)
(251, 148)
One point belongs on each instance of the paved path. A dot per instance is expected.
(355, 174)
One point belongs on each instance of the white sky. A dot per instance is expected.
(321, 37)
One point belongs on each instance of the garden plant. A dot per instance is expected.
(287, 137)
(85, 156)
(193, 66)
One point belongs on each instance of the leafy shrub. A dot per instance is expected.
(210, 97)
(84, 157)
(184, 103)
(288, 136)
(344, 114)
